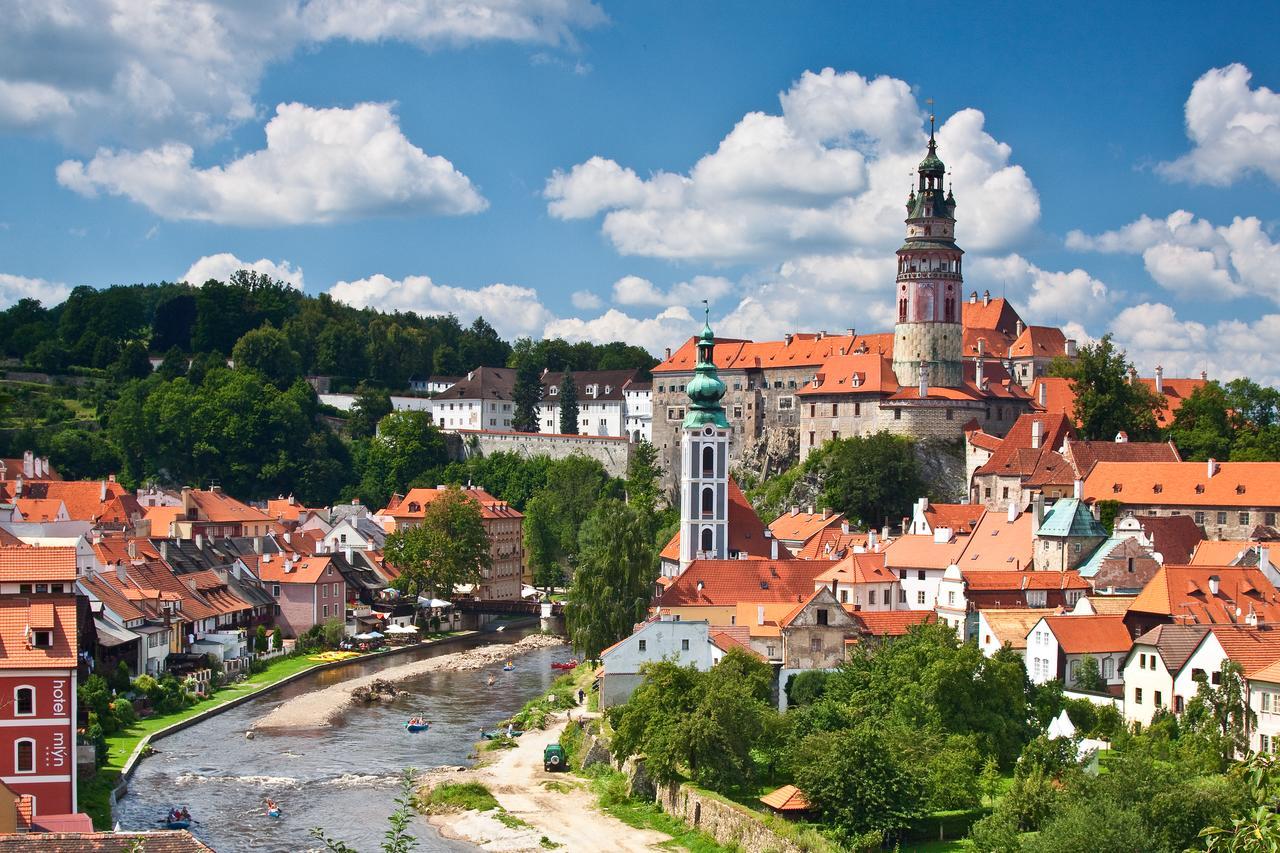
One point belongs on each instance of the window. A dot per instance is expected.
(1004, 493)
(24, 589)
(644, 645)
(822, 613)
(708, 539)
(1177, 704)
(902, 595)
(919, 574)
(1265, 698)
(1037, 597)
(871, 597)
(275, 590)
(324, 590)
(1159, 703)
(24, 756)
(844, 596)
(324, 611)
(857, 410)
(42, 587)
(1152, 661)
(951, 597)
(815, 644)
(1137, 695)
(1244, 518)
(1264, 743)
(42, 639)
(771, 650)
(835, 409)
(737, 411)
(1269, 519)
(708, 502)
(24, 701)
(684, 645)
(1142, 661)
(897, 414)
(708, 460)
(1222, 518)
(1108, 668)
(1199, 517)
(920, 596)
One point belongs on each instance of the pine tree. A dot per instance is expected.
(526, 396)
(568, 404)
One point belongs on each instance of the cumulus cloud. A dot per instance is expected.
(1191, 256)
(1153, 334)
(319, 166)
(634, 290)
(15, 287)
(668, 329)
(1234, 130)
(828, 175)
(585, 300)
(136, 71)
(1043, 296)
(512, 310)
(220, 267)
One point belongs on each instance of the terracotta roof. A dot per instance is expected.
(1253, 648)
(46, 823)
(1270, 674)
(1015, 456)
(892, 623)
(177, 841)
(1086, 454)
(726, 641)
(800, 350)
(1058, 397)
(17, 614)
(1174, 536)
(610, 384)
(287, 508)
(1183, 594)
(25, 564)
(215, 591)
(113, 599)
(217, 506)
(1218, 552)
(1176, 643)
(980, 581)
(867, 373)
(40, 509)
(304, 569)
(1111, 605)
(995, 344)
(788, 798)
(960, 518)
(161, 517)
(414, 504)
(983, 440)
(1039, 342)
(858, 568)
(746, 530)
(1052, 469)
(1078, 635)
(10, 468)
(748, 615)
(996, 314)
(1012, 626)
(7, 538)
(802, 526)
(1174, 392)
(84, 500)
(831, 544)
(1234, 484)
(999, 544)
(919, 551)
(727, 582)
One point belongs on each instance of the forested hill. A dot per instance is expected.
(113, 327)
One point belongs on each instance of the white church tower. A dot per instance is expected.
(704, 462)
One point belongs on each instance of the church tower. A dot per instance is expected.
(704, 462)
(928, 340)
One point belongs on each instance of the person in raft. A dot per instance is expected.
(271, 805)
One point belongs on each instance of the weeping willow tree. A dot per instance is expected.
(614, 580)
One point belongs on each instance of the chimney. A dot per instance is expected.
(1204, 376)
(164, 550)
(884, 535)
(795, 510)
(1212, 468)
(810, 509)
(17, 486)
(700, 585)
(871, 540)
(822, 334)
(1071, 348)
(826, 513)
(1037, 506)
(1122, 437)
(132, 547)
(1013, 512)
(257, 544)
(121, 574)
(941, 535)
(292, 501)
(1078, 489)
(28, 464)
(1018, 329)
(924, 380)
(773, 547)
(1132, 375)
(1042, 394)
(786, 339)
(471, 374)
(1159, 379)
(986, 297)
(199, 541)
(1214, 584)
(288, 538)
(844, 527)
(853, 333)
(668, 351)
(102, 491)
(973, 297)
(978, 378)
(759, 614)
(1037, 434)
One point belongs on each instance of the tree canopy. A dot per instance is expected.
(449, 547)
(1107, 402)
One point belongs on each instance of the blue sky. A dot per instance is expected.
(591, 170)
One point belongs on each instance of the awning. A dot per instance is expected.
(112, 635)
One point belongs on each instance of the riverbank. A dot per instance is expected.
(126, 748)
(537, 805)
(321, 708)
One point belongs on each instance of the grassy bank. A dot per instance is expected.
(610, 788)
(467, 796)
(95, 792)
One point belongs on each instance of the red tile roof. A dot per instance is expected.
(1217, 552)
(25, 564)
(1183, 593)
(919, 551)
(1012, 626)
(1015, 456)
(1175, 537)
(858, 568)
(1078, 635)
(831, 544)
(303, 569)
(414, 504)
(746, 530)
(996, 314)
(869, 373)
(84, 500)
(1174, 392)
(1052, 469)
(1058, 397)
(726, 641)
(179, 841)
(161, 517)
(16, 617)
(892, 623)
(217, 506)
(1253, 648)
(980, 581)
(727, 582)
(215, 591)
(788, 798)
(998, 544)
(40, 509)
(800, 350)
(1086, 454)
(113, 598)
(1234, 484)
(959, 518)
(802, 526)
(1039, 342)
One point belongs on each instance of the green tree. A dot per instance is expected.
(990, 781)
(173, 365)
(855, 785)
(260, 640)
(449, 547)
(541, 545)
(277, 639)
(1257, 830)
(267, 351)
(407, 446)
(132, 363)
(371, 406)
(1089, 676)
(1223, 711)
(568, 405)
(643, 484)
(1106, 401)
(526, 396)
(613, 583)
(1204, 427)
(873, 479)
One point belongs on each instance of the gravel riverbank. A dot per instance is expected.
(321, 708)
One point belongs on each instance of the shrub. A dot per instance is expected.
(277, 639)
(260, 640)
(469, 796)
(996, 833)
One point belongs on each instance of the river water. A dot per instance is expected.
(341, 779)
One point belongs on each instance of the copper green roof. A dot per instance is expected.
(706, 389)
(1070, 517)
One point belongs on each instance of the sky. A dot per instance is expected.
(593, 170)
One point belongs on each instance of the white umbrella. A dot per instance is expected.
(401, 629)
(434, 602)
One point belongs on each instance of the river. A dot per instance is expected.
(341, 779)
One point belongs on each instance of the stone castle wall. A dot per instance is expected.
(940, 344)
(613, 453)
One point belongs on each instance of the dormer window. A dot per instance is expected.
(553, 390)
(1199, 488)
(1157, 488)
(42, 639)
(1240, 490)
(1115, 487)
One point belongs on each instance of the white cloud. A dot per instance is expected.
(1043, 296)
(319, 166)
(222, 265)
(512, 310)
(1153, 334)
(138, 71)
(670, 328)
(16, 287)
(1191, 256)
(585, 300)
(1234, 130)
(827, 176)
(634, 290)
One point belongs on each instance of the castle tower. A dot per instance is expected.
(704, 462)
(928, 339)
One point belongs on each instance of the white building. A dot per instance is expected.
(998, 627)
(1264, 699)
(1056, 645)
(691, 643)
(638, 402)
(1157, 671)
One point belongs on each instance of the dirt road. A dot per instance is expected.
(568, 817)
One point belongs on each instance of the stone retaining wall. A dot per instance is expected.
(726, 823)
(612, 453)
